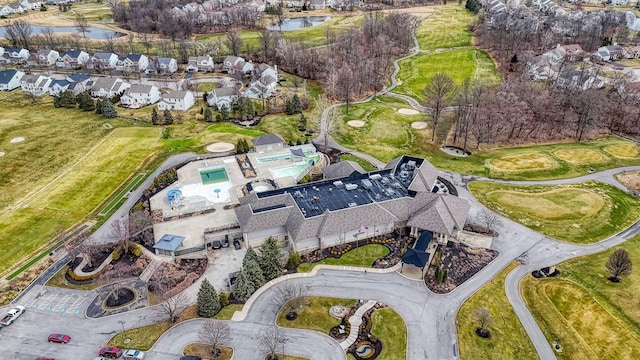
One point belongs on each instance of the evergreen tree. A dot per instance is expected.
(224, 112)
(250, 255)
(204, 97)
(208, 300)
(155, 119)
(108, 111)
(297, 105)
(85, 102)
(243, 287)
(254, 273)
(66, 99)
(208, 115)
(270, 259)
(98, 106)
(473, 6)
(168, 118)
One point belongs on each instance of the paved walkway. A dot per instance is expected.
(355, 321)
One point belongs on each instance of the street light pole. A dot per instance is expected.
(122, 322)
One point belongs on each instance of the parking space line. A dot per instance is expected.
(61, 303)
(46, 301)
(75, 304)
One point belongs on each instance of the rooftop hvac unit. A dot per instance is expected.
(353, 204)
(384, 180)
(297, 194)
(351, 186)
(338, 184)
(375, 177)
(396, 185)
(411, 164)
(367, 184)
(389, 191)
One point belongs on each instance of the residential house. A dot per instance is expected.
(103, 61)
(264, 83)
(231, 62)
(631, 52)
(578, 80)
(222, 97)
(177, 100)
(237, 65)
(10, 79)
(132, 63)
(14, 56)
(35, 84)
(572, 52)
(317, 5)
(73, 59)
(310, 216)
(267, 143)
(76, 83)
(31, 4)
(162, 66)
(200, 64)
(138, 96)
(108, 87)
(609, 53)
(619, 2)
(47, 57)
(14, 8)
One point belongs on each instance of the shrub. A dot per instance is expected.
(117, 252)
(224, 299)
(293, 261)
(77, 277)
(135, 249)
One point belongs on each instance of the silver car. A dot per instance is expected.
(132, 354)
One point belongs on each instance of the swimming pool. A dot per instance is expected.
(281, 156)
(212, 175)
(294, 170)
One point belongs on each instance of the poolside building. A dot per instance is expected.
(359, 205)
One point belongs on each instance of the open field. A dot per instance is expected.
(389, 327)
(446, 28)
(363, 256)
(416, 72)
(579, 213)
(593, 317)
(508, 340)
(581, 156)
(315, 314)
(520, 162)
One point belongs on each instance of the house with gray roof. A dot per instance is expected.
(223, 96)
(341, 210)
(35, 84)
(342, 169)
(73, 59)
(103, 61)
(10, 79)
(177, 100)
(268, 142)
(132, 63)
(264, 83)
(200, 64)
(137, 96)
(162, 66)
(108, 87)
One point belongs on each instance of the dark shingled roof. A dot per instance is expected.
(297, 152)
(342, 169)
(267, 139)
(7, 75)
(415, 257)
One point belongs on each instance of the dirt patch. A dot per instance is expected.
(630, 179)
(408, 112)
(419, 125)
(220, 147)
(17, 140)
(356, 123)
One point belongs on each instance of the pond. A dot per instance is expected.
(299, 23)
(92, 32)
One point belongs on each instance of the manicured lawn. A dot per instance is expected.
(227, 312)
(58, 280)
(508, 340)
(142, 338)
(593, 317)
(205, 351)
(416, 72)
(363, 256)
(580, 213)
(389, 327)
(315, 314)
(365, 164)
(447, 28)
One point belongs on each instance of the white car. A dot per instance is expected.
(132, 354)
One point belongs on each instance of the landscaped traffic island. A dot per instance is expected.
(581, 213)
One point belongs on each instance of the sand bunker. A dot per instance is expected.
(408, 112)
(419, 125)
(17, 140)
(220, 147)
(2, 153)
(356, 123)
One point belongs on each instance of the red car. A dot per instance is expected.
(45, 359)
(59, 338)
(110, 352)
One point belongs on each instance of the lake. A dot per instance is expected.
(92, 32)
(299, 23)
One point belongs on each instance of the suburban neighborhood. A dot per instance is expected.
(319, 179)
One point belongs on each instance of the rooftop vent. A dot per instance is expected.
(375, 177)
(352, 204)
(351, 186)
(367, 184)
(338, 184)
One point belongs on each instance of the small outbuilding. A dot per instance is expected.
(266, 143)
(168, 244)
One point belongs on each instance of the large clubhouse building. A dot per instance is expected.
(353, 205)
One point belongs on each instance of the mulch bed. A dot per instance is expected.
(125, 296)
(478, 229)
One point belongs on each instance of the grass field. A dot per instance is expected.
(593, 317)
(205, 351)
(389, 327)
(416, 72)
(363, 256)
(447, 28)
(508, 340)
(365, 164)
(581, 156)
(315, 314)
(521, 162)
(579, 213)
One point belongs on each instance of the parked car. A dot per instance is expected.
(216, 244)
(191, 357)
(133, 354)
(101, 358)
(110, 352)
(12, 315)
(41, 358)
(59, 338)
(236, 244)
(225, 243)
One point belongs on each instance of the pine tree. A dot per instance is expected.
(98, 106)
(270, 259)
(254, 273)
(208, 300)
(108, 111)
(155, 120)
(208, 115)
(224, 112)
(243, 287)
(168, 118)
(250, 255)
(297, 105)
(204, 97)
(85, 102)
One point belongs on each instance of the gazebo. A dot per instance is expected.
(168, 244)
(418, 255)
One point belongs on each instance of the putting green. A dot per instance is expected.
(556, 204)
(523, 162)
(580, 156)
(623, 150)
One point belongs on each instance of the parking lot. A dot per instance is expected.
(59, 300)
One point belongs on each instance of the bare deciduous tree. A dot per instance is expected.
(173, 306)
(269, 340)
(234, 42)
(290, 296)
(619, 264)
(119, 231)
(82, 25)
(437, 94)
(490, 219)
(214, 333)
(19, 33)
(483, 317)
